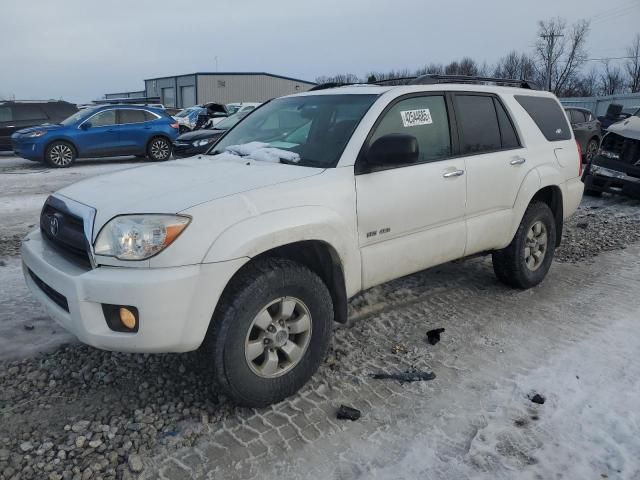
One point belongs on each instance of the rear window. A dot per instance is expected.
(547, 115)
(29, 112)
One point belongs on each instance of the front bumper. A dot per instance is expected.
(183, 150)
(27, 148)
(602, 179)
(175, 304)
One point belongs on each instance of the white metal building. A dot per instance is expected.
(183, 91)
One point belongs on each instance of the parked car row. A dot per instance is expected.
(58, 132)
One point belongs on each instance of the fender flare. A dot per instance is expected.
(258, 234)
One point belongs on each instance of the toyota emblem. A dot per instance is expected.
(54, 227)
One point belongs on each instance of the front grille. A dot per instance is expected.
(54, 295)
(65, 231)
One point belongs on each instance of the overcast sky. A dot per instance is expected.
(80, 49)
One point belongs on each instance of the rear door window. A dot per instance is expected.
(148, 116)
(478, 124)
(127, 116)
(29, 113)
(547, 115)
(576, 116)
(508, 133)
(6, 115)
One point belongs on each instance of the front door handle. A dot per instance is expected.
(518, 161)
(455, 173)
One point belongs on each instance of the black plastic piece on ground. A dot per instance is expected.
(347, 413)
(433, 336)
(402, 377)
(537, 398)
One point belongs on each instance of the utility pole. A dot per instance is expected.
(550, 47)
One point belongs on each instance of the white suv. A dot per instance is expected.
(253, 250)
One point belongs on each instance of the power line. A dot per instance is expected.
(607, 58)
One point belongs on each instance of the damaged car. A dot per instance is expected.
(201, 116)
(616, 168)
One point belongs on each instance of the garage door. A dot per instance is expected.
(188, 95)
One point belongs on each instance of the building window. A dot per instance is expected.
(222, 83)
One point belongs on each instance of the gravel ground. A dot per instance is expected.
(80, 413)
(600, 225)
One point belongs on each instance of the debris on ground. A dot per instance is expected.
(537, 398)
(582, 225)
(433, 336)
(405, 377)
(29, 326)
(348, 413)
(398, 348)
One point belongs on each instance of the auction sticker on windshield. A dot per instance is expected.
(413, 118)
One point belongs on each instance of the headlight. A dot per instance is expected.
(36, 134)
(137, 237)
(203, 142)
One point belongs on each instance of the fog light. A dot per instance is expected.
(127, 318)
(121, 318)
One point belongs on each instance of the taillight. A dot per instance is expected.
(175, 125)
(579, 159)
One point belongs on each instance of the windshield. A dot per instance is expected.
(78, 116)
(230, 121)
(307, 130)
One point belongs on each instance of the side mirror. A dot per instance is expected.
(393, 149)
(85, 126)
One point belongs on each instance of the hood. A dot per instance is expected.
(629, 128)
(45, 126)
(199, 134)
(174, 186)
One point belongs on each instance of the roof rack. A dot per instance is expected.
(432, 79)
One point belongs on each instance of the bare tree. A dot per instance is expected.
(338, 78)
(560, 52)
(611, 79)
(516, 65)
(632, 65)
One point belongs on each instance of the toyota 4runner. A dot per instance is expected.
(253, 250)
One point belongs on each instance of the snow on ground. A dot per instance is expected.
(575, 339)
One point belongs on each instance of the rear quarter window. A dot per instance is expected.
(547, 115)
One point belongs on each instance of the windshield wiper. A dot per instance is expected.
(304, 163)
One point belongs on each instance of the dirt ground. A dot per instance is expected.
(70, 411)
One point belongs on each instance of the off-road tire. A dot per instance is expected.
(157, 145)
(224, 347)
(509, 263)
(60, 154)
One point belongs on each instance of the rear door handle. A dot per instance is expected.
(455, 173)
(518, 161)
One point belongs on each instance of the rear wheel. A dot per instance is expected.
(527, 259)
(159, 149)
(60, 155)
(270, 332)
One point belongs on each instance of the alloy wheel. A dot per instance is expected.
(536, 245)
(159, 149)
(61, 155)
(592, 149)
(278, 337)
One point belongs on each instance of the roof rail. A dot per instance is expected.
(31, 101)
(324, 86)
(431, 79)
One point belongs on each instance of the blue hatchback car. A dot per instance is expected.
(100, 131)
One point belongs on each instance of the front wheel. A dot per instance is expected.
(526, 260)
(592, 150)
(270, 332)
(159, 149)
(60, 155)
